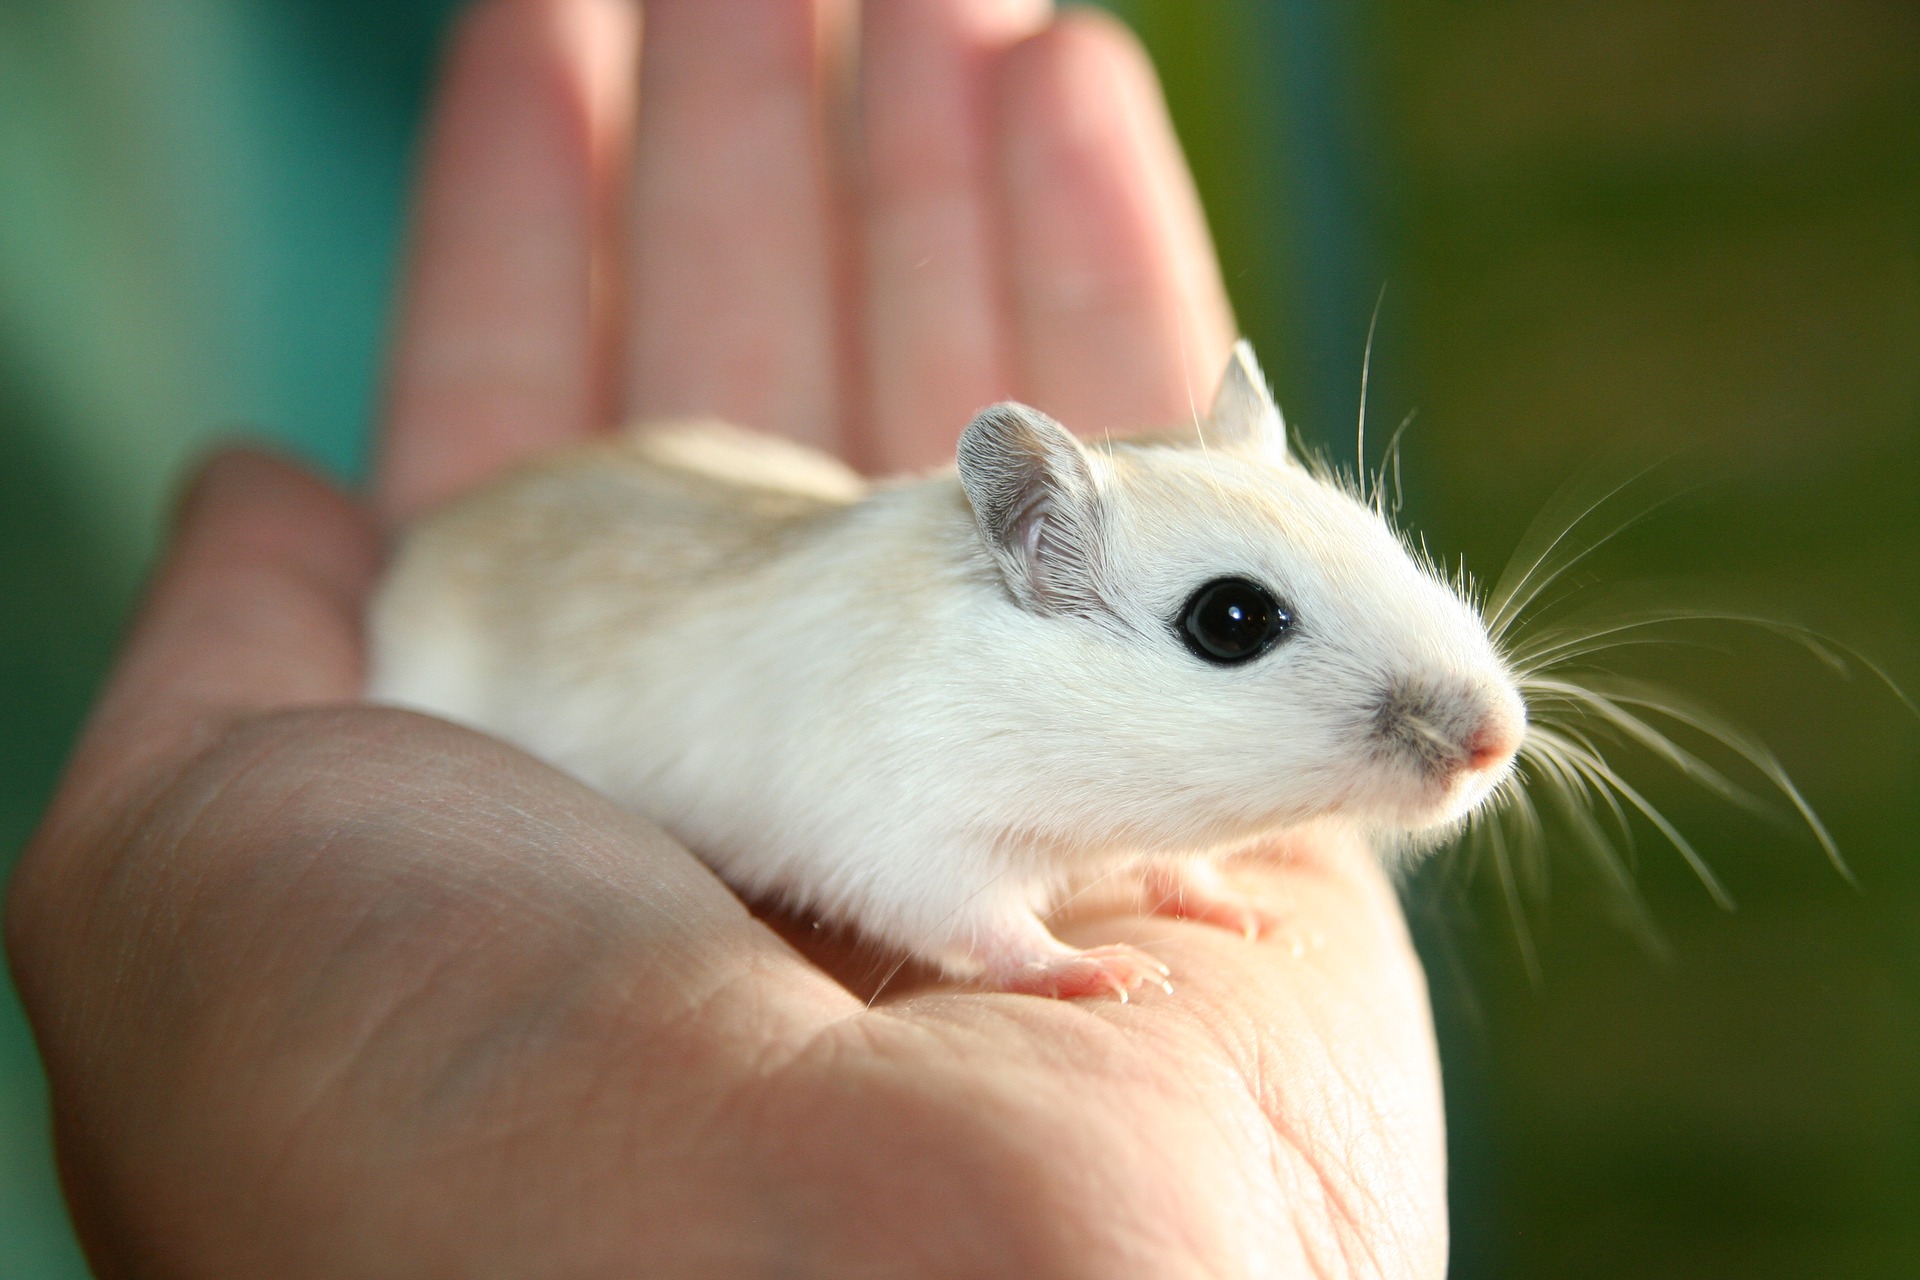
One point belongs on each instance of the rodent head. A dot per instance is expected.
(1282, 653)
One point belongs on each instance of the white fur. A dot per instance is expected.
(842, 701)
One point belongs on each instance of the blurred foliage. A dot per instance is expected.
(1655, 228)
(1689, 230)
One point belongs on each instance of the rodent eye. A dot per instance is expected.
(1232, 620)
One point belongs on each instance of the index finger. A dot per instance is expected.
(501, 352)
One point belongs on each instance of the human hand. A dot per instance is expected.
(326, 989)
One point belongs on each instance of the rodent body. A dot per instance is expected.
(926, 708)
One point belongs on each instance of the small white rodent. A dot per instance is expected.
(930, 708)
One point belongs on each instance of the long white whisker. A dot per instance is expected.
(1631, 912)
(1524, 595)
(1504, 591)
(1568, 648)
(1585, 699)
(1741, 743)
(1598, 769)
(1553, 750)
(1835, 654)
(1516, 909)
(932, 933)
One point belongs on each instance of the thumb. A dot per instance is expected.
(256, 606)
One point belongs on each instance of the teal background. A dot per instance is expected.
(1688, 227)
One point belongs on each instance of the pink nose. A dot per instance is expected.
(1491, 745)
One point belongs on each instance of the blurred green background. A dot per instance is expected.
(1684, 227)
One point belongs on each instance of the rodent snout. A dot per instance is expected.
(1449, 728)
(1493, 744)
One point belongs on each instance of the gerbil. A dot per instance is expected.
(927, 708)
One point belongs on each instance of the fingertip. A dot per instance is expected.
(1062, 91)
(498, 49)
(229, 471)
(244, 502)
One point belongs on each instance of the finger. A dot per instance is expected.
(732, 272)
(1121, 316)
(497, 357)
(935, 324)
(256, 607)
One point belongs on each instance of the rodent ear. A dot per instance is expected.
(1036, 502)
(1244, 414)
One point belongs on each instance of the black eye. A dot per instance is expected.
(1231, 620)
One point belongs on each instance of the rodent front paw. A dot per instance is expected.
(1111, 970)
(1197, 891)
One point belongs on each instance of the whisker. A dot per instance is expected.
(1523, 596)
(1611, 712)
(1835, 654)
(1393, 454)
(1366, 368)
(1474, 845)
(1507, 588)
(1600, 771)
(1629, 910)
(1516, 910)
(1742, 743)
(966, 902)
(1577, 648)
(1549, 750)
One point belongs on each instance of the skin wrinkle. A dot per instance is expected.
(142, 821)
(307, 1122)
(1346, 1211)
(1351, 1219)
(375, 921)
(766, 1095)
(1295, 1151)
(950, 1109)
(633, 1159)
(760, 147)
(1122, 1067)
(1224, 1121)
(538, 1018)
(112, 888)
(1104, 276)
(401, 1012)
(667, 898)
(377, 917)
(363, 922)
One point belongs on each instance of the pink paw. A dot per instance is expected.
(1199, 893)
(1097, 971)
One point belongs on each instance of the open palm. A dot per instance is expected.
(331, 990)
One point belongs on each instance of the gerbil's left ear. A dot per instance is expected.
(1036, 502)
(1244, 414)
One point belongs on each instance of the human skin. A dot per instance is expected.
(328, 990)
